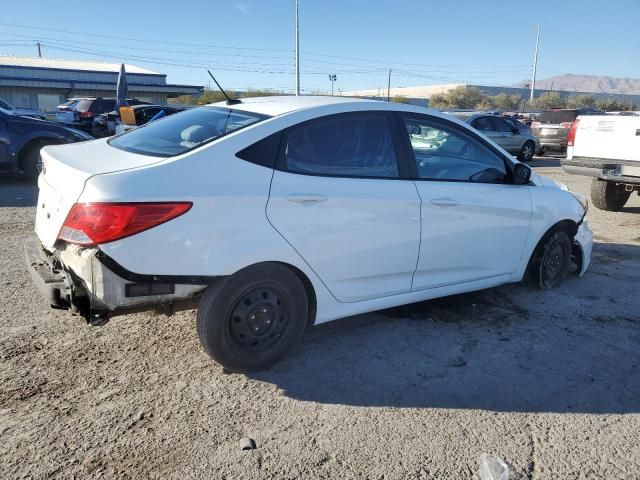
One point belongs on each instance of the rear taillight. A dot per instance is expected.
(90, 224)
(566, 124)
(572, 133)
(85, 114)
(535, 124)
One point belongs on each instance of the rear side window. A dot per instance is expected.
(351, 145)
(184, 131)
(484, 124)
(264, 152)
(557, 116)
(84, 105)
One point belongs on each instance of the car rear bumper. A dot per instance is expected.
(622, 171)
(82, 281)
(553, 143)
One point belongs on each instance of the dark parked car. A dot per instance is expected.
(552, 127)
(21, 139)
(87, 109)
(25, 112)
(104, 125)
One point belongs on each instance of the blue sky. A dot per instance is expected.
(249, 43)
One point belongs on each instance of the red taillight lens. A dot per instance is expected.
(535, 124)
(572, 132)
(90, 224)
(85, 114)
(566, 124)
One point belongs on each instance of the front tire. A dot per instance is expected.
(608, 196)
(253, 318)
(550, 261)
(527, 151)
(32, 163)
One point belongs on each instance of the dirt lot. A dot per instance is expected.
(548, 381)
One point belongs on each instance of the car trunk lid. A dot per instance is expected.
(66, 168)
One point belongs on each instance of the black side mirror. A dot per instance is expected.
(521, 174)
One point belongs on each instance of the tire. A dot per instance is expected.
(608, 196)
(550, 261)
(253, 318)
(31, 164)
(527, 151)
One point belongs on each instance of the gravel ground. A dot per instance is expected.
(548, 381)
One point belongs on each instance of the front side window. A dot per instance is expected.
(184, 131)
(445, 153)
(351, 145)
(503, 126)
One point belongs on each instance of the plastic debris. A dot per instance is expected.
(247, 443)
(493, 468)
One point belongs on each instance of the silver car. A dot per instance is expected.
(513, 140)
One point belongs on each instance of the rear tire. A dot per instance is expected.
(608, 196)
(550, 261)
(527, 151)
(32, 163)
(253, 318)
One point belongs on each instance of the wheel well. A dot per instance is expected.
(34, 143)
(308, 286)
(570, 228)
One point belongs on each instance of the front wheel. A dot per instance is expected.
(32, 163)
(550, 261)
(527, 151)
(253, 318)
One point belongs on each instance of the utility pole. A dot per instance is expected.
(535, 65)
(332, 78)
(39, 51)
(389, 86)
(298, 47)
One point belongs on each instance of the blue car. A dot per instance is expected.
(21, 139)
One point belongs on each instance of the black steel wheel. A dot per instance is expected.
(551, 259)
(253, 318)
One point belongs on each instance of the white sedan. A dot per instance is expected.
(276, 213)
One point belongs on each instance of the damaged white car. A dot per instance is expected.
(272, 214)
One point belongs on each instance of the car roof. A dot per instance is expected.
(279, 105)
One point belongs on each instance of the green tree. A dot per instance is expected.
(506, 102)
(582, 101)
(458, 97)
(399, 99)
(548, 100)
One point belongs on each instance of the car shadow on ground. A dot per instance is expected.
(17, 192)
(511, 348)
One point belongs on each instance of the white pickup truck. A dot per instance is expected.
(607, 148)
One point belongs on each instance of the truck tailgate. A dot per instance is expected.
(608, 137)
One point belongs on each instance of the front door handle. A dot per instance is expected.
(445, 202)
(306, 198)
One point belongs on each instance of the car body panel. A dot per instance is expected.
(231, 224)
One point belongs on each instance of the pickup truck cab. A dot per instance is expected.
(606, 148)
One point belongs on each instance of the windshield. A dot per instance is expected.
(5, 105)
(184, 131)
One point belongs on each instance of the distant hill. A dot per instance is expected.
(588, 83)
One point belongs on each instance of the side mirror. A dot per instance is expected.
(521, 174)
(515, 131)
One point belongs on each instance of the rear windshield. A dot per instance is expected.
(83, 105)
(184, 131)
(557, 116)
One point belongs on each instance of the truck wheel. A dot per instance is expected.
(527, 151)
(252, 318)
(608, 196)
(550, 261)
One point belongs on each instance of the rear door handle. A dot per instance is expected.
(306, 198)
(445, 202)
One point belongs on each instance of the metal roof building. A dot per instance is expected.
(44, 83)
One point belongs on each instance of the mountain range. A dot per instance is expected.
(588, 83)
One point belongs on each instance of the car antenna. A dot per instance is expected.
(230, 101)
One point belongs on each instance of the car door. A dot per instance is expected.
(488, 127)
(5, 143)
(338, 197)
(510, 138)
(475, 222)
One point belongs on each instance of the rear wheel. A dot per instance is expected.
(608, 195)
(527, 151)
(253, 318)
(550, 261)
(32, 163)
